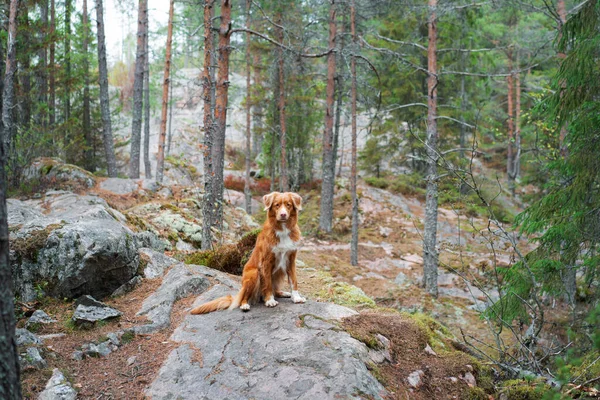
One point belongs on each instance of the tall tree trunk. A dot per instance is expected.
(169, 130)
(87, 126)
(562, 14)
(338, 99)
(51, 69)
(165, 98)
(138, 94)
(10, 386)
(247, 194)
(24, 104)
(283, 174)
(517, 153)
(111, 162)
(41, 118)
(510, 81)
(326, 216)
(67, 84)
(221, 100)
(208, 119)
(430, 254)
(147, 165)
(354, 243)
(257, 124)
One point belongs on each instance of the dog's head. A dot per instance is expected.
(282, 206)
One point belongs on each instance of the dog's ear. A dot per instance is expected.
(297, 201)
(268, 200)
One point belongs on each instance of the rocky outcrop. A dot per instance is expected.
(54, 171)
(292, 351)
(68, 245)
(89, 311)
(58, 388)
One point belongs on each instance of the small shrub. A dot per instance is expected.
(381, 183)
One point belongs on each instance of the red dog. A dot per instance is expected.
(273, 258)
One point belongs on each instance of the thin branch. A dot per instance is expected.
(283, 46)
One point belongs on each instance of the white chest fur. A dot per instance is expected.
(283, 248)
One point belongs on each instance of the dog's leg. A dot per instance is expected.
(249, 282)
(296, 298)
(267, 281)
(278, 281)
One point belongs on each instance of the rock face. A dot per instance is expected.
(56, 171)
(291, 351)
(119, 185)
(68, 245)
(58, 388)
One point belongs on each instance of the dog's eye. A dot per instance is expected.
(288, 204)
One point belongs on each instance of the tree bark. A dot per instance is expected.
(247, 194)
(10, 386)
(51, 72)
(67, 86)
(430, 254)
(147, 165)
(221, 100)
(283, 174)
(208, 119)
(510, 81)
(338, 100)
(138, 89)
(562, 14)
(517, 152)
(257, 135)
(87, 126)
(169, 131)
(354, 242)
(165, 98)
(111, 162)
(42, 73)
(326, 216)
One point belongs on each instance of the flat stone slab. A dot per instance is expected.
(266, 353)
(90, 310)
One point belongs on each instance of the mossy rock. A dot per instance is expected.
(28, 246)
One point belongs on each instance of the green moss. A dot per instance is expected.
(524, 390)
(381, 183)
(136, 223)
(127, 337)
(476, 393)
(376, 372)
(343, 293)
(28, 247)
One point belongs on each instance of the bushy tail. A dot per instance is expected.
(222, 303)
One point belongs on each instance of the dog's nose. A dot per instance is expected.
(283, 215)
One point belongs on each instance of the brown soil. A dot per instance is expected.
(107, 377)
(407, 343)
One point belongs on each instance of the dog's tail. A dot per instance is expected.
(222, 303)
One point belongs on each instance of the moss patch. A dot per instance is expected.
(342, 293)
(229, 258)
(29, 246)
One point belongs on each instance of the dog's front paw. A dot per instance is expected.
(296, 298)
(245, 307)
(283, 294)
(271, 302)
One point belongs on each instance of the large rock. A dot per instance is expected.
(53, 170)
(90, 311)
(291, 351)
(68, 245)
(58, 388)
(119, 185)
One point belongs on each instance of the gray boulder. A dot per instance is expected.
(155, 263)
(39, 317)
(58, 388)
(69, 245)
(90, 311)
(24, 337)
(32, 359)
(119, 185)
(266, 354)
(56, 171)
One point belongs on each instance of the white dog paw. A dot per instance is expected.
(285, 294)
(245, 307)
(271, 302)
(296, 298)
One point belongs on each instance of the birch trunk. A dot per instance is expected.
(326, 216)
(138, 89)
(207, 94)
(165, 99)
(111, 162)
(430, 254)
(10, 387)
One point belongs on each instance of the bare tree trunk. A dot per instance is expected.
(111, 162)
(257, 134)
(517, 154)
(562, 14)
(10, 386)
(326, 216)
(67, 85)
(52, 76)
(147, 165)
(41, 118)
(138, 89)
(169, 131)
(248, 195)
(338, 101)
(430, 254)
(87, 125)
(207, 94)
(283, 174)
(510, 79)
(160, 159)
(221, 101)
(354, 243)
